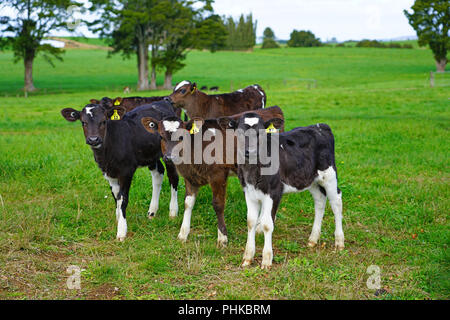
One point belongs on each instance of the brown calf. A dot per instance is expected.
(129, 103)
(199, 104)
(198, 174)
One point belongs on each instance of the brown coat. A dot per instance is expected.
(199, 104)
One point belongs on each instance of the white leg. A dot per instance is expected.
(336, 206)
(186, 225)
(121, 221)
(173, 203)
(115, 188)
(157, 179)
(330, 185)
(222, 239)
(253, 207)
(267, 226)
(320, 201)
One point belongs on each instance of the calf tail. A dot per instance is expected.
(262, 93)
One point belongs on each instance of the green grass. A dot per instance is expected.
(392, 155)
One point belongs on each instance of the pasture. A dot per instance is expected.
(392, 155)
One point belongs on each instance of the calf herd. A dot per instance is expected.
(227, 134)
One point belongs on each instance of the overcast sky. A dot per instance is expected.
(343, 19)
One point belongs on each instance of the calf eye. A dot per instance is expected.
(180, 138)
(183, 91)
(152, 124)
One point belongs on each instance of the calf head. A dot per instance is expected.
(94, 119)
(182, 92)
(175, 135)
(106, 102)
(249, 129)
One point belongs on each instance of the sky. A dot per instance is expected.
(342, 19)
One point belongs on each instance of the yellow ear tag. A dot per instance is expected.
(271, 129)
(194, 129)
(117, 102)
(115, 115)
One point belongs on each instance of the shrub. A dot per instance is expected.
(303, 39)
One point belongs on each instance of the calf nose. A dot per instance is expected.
(93, 140)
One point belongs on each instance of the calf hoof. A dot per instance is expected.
(150, 215)
(339, 246)
(222, 239)
(173, 214)
(222, 243)
(266, 265)
(182, 238)
(311, 244)
(120, 238)
(246, 263)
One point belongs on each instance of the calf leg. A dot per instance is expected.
(121, 206)
(335, 197)
(320, 201)
(267, 226)
(219, 189)
(253, 208)
(115, 188)
(157, 178)
(189, 203)
(173, 180)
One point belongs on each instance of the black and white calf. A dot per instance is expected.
(121, 145)
(306, 162)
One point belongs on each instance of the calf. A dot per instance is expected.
(306, 162)
(200, 173)
(121, 145)
(199, 104)
(129, 103)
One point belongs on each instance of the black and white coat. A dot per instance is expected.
(122, 146)
(306, 162)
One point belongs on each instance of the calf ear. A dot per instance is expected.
(194, 125)
(94, 101)
(193, 87)
(275, 123)
(150, 124)
(226, 123)
(70, 114)
(116, 113)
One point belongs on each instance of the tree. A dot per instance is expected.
(210, 33)
(164, 25)
(269, 39)
(128, 26)
(241, 34)
(303, 39)
(431, 20)
(187, 27)
(32, 22)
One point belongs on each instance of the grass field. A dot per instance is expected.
(392, 150)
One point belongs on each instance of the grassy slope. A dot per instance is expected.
(391, 132)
